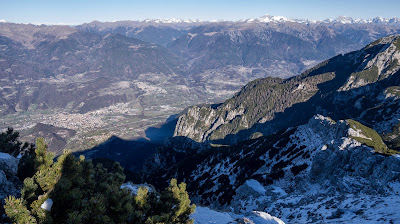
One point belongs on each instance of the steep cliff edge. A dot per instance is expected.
(322, 163)
(361, 85)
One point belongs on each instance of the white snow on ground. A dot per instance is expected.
(266, 218)
(5, 156)
(134, 187)
(279, 190)
(210, 33)
(347, 208)
(47, 204)
(255, 185)
(309, 62)
(204, 215)
(357, 133)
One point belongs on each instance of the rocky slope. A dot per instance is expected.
(9, 182)
(361, 85)
(273, 45)
(309, 173)
(8, 175)
(56, 137)
(149, 31)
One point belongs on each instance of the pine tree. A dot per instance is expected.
(9, 142)
(84, 193)
(170, 206)
(43, 159)
(17, 211)
(183, 209)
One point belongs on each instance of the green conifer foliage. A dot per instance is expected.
(170, 206)
(17, 211)
(184, 209)
(86, 190)
(84, 193)
(43, 159)
(9, 142)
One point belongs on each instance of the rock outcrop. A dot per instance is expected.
(360, 85)
(9, 183)
(333, 161)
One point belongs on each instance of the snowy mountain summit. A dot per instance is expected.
(333, 176)
(339, 20)
(171, 21)
(269, 18)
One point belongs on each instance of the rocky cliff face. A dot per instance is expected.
(9, 183)
(347, 86)
(257, 102)
(322, 161)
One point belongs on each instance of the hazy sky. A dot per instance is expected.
(81, 11)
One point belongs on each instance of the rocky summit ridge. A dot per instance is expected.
(309, 173)
(346, 86)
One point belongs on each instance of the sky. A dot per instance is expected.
(74, 12)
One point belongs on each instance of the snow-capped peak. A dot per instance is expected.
(380, 20)
(341, 19)
(268, 19)
(173, 20)
(344, 19)
(3, 21)
(394, 20)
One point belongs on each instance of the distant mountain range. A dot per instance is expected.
(340, 19)
(275, 19)
(80, 77)
(258, 44)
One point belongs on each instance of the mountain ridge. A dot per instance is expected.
(323, 89)
(147, 72)
(325, 159)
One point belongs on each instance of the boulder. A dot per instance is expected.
(8, 164)
(9, 183)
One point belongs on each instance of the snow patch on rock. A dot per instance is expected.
(47, 204)
(266, 218)
(255, 185)
(134, 188)
(204, 215)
